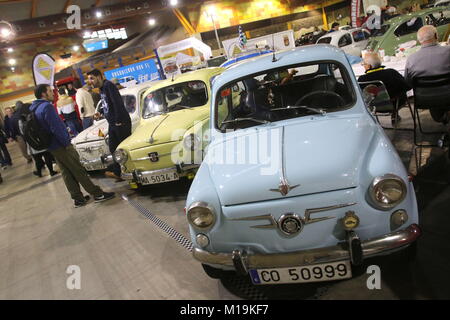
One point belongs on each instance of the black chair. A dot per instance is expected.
(390, 108)
(432, 93)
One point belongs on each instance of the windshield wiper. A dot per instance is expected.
(318, 111)
(246, 119)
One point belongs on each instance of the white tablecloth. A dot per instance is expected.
(398, 64)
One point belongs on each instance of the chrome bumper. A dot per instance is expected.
(180, 169)
(372, 247)
(97, 164)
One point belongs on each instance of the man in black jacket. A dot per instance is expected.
(119, 120)
(12, 129)
(394, 82)
(5, 158)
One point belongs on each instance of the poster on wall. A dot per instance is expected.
(43, 69)
(135, 73)
(278, 41)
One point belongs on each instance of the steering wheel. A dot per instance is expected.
(321, 98)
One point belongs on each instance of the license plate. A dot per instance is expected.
(159, 178)
(314, 273)
(94, 167)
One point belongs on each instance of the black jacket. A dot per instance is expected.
(113, 107)
(393, 81)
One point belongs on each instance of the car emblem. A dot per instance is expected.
(153, 156)
(284, 187)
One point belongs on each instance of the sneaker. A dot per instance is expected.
(53, 173)
(105, 196)
(79, 203)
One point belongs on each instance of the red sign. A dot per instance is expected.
(355, 12)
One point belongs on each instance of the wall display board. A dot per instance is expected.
(135, 73)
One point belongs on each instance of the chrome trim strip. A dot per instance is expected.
(308, 212)
(371, 247)
(151, 140)
(284, 186)
(159, 155)
(274, 223)
(184, 168)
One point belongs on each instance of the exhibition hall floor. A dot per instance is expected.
(137, 246)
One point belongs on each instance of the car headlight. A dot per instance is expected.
(387, 191)
(201, 215)
(120, 156)
(191, 142)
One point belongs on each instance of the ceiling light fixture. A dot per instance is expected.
(12, 61)
(151, 22)
(10, 50)
(98, 14)
(76, 48)
(173, 2)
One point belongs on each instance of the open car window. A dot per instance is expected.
(130, 103)
(281, 94)
(185, 95)
(408, 27)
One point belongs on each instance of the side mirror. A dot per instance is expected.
(376, 96)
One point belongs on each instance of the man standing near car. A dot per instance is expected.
(67, 158)
(85, 104)
(116, 114)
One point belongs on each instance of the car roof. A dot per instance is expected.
(200, 74)
(405, 17)
(135, 89)
(309, 53)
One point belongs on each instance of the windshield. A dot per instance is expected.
(281, 94)
(379, 32)
(185, 95)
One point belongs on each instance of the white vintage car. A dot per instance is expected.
(350, 41)
(92, 143)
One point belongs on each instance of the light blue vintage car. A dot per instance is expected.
(299, 183)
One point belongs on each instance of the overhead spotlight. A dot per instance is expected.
(12, 61)
(173, 2)
(13, 69)
(151, 22)
(76, 48)
(6, 32)
(10, 50)
(98, 14)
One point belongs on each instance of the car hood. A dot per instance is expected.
(92, 133)
(318, 155)
(164, 128)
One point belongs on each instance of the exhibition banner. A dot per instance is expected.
(355, 12)
(135, 73)
(43, 69)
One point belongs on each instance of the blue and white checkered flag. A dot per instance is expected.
(242, 38)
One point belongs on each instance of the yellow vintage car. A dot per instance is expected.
(171, 138)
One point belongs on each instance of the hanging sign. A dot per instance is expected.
(43, 69)
(355, 12)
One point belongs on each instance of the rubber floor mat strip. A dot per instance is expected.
(174, 234)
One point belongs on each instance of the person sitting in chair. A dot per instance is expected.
(393, 81)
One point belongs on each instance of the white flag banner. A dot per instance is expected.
(355, 12)
(43, 69)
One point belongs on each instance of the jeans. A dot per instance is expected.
(74, 126)
(87, 122)
(5, 158)
(116, 136)
(39, 162)
(74, 174)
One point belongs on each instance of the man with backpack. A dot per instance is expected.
(44, 129)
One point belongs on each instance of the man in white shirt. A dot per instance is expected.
(85, 105)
